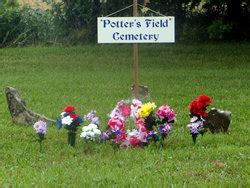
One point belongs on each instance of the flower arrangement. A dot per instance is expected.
(197, 109)
(91, 132)
(70, 121)
(158, 124)
(147, 125)
(41, 129)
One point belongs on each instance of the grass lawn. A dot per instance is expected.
(95, 77)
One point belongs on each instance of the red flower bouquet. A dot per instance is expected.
(70, 121)
(197, 110)
(199, 106)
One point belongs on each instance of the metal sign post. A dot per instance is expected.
(135, 45)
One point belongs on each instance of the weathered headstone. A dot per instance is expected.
(18, 110)
(217, 120)
(143, 92)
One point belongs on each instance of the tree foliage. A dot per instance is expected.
(23, 26)
(208, 19)
(75, 21)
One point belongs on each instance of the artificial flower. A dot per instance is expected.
(40, 127)
(116, 124)
(91, 132)
(193, 119)
(120, 136)
(197, 108)
(63, 114)
(146, 110)
(125, 110)
(165, 112)
(134, 141)
(138, 134)
(195, 127)
(70, 121)
(146, 125)
(69, 109)
(204, 100)
(164, 129)
(73, 116)
(136, 102)
(67, 120)
(140, 123)
(152, 135)
(91, 116)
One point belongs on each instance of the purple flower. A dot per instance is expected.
(165, 129)
(91, 116)
(196, 127)
(151, 135)
(106, 135)
(40, 127)
(95, 120)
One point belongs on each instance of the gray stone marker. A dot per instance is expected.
(217, 120)
(18, 110)
(143, 92)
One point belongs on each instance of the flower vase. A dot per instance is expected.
(194, 136)
(40, 140)
(72, 138)
(150, 122)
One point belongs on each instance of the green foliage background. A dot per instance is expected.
(72, 22)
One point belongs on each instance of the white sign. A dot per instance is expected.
(136, 29)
